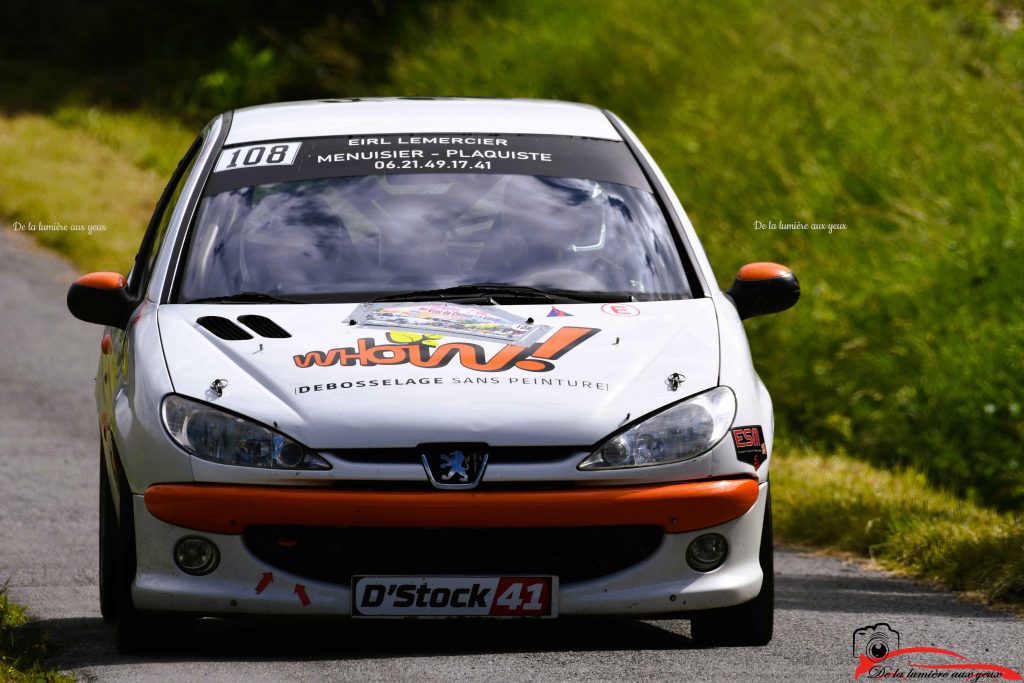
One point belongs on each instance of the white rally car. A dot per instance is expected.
(429, 358)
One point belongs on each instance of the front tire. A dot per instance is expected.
(141, 632)
(108, 542)
(752, 622)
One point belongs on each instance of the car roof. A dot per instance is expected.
(388, 116)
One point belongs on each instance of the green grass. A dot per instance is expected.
(87, 166)
(147, 140)
(897, 519)
(52, 174)
(904, 121)
(22, 652)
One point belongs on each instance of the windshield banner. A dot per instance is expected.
(537, 155)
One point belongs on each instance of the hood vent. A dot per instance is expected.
(265, 327)
(223, 328)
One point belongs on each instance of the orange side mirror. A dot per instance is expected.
(101, 298)
(762, 288)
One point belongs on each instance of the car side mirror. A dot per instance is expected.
(101, 298)
(763, 288)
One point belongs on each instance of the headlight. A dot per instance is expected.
(682, 432)
(212, 434)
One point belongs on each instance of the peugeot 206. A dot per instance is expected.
(429, 358)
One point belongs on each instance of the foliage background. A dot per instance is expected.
(901, 120)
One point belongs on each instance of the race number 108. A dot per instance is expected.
(253, 156)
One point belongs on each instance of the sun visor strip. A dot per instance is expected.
(538, 155)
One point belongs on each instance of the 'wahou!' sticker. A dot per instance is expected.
(537, 357)
(750, 446)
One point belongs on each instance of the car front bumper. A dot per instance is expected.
(244, 585)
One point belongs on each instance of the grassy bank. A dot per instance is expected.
(86, 168)
(22, 652)
(900, 121)
(895, 518)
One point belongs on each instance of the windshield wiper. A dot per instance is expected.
(245, 298)
(487, 292)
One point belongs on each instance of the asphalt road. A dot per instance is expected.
(48, 522)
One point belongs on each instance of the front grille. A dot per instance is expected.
(424, 485)
(337, 554)
(495, 454)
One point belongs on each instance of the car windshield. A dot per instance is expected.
(361, 237)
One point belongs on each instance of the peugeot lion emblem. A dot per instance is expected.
(454, 466)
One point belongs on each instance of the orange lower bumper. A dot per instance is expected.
(675, 508)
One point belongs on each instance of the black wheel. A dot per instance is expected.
(141, 632)
(752, 622)
(108, 547)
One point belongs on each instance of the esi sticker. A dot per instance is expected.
(254, 156)
(750, 445)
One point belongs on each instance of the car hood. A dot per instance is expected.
(397, 375)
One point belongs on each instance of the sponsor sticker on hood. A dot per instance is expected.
(426, 353)
(460, 320)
